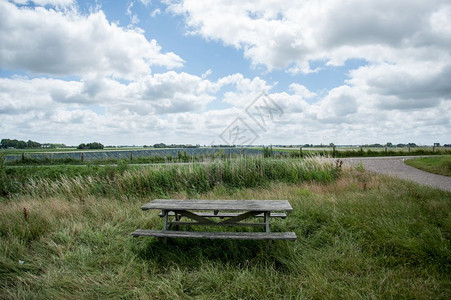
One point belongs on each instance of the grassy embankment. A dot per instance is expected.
(437, 165)
(360, 235)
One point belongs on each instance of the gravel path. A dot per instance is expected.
(395, 166)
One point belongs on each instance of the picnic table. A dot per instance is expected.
(218, 213)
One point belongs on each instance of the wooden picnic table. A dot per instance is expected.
(218, 213)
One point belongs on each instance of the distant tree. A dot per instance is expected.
(411, 144)
(375, 145)
(31, 144)
(159, 145)
(93, 145)
(8, 143)
(389, 144)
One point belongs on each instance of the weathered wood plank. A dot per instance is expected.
(217, 235)
(232, 205)
(201, 220)
(240, 217)
(217, 224)
(229, 215)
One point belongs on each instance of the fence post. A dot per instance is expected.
(82, 156)
(385, 149)
(131, 155)
(23, 156)
(300, 152)
(433, 149)
(409, 149)
(333, 151)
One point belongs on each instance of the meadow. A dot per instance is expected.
(65, 233)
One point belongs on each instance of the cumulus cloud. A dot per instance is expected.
(279, 34)
(171, 107)
(46, 41)
(405, 45)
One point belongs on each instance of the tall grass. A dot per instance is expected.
(359, 236)
(123, 180)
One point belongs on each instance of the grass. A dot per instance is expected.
(359, 236)
(437, 165)
(159, 180)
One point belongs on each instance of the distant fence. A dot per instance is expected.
(129, 154)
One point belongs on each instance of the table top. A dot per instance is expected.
(233, 205)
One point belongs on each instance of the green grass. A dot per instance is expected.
(159, 180)
(359, 236)
(437, 165)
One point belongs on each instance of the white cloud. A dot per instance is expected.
(145, 2)
(45, 41)
(171, 107)
(134, 19)
(294, 33)
(155, 12)
(56, 3)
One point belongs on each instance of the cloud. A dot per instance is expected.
(171, 107)
(155, 12)
(59, 4)
(134, 19)
(156, 94)
(45, 41)
(294, 33)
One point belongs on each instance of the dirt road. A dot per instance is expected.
(395, 166)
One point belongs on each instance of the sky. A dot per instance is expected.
(226, 71)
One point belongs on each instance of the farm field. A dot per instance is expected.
(114, 156)
(66, 233)
(162, 155)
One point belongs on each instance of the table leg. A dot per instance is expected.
(165, 224)
(165, 219)
(268, 229)
(177, 218)
(267, 217)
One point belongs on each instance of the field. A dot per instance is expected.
(72, 156)
(65, 233)
(113, 156)
(438, 165)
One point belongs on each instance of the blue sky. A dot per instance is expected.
(142, 72)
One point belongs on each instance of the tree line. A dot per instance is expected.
(17, 144)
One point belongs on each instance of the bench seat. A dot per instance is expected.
(217, 235)
(228, 215)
